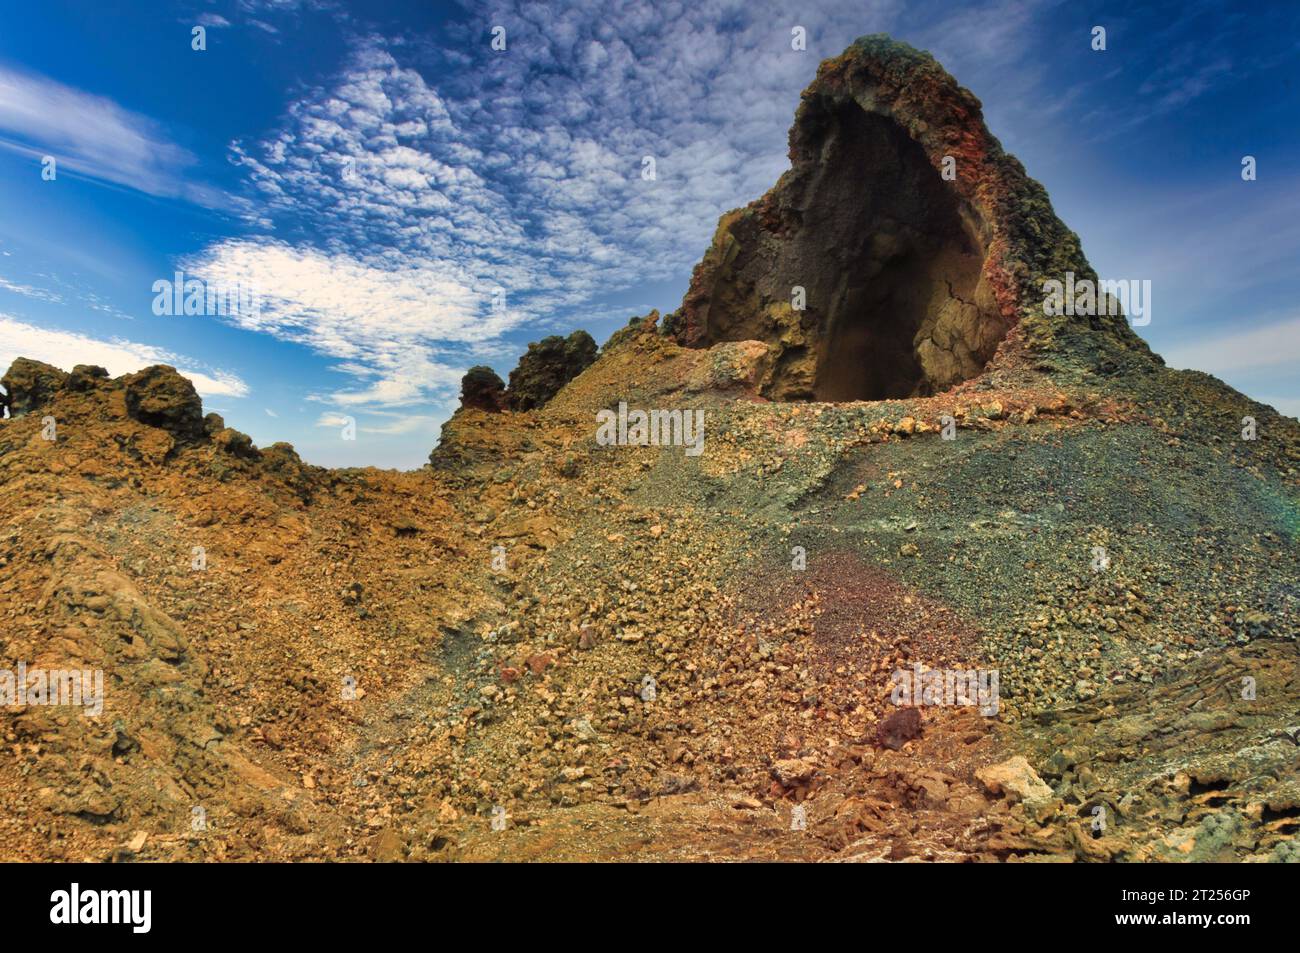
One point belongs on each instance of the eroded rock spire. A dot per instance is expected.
(900, 249)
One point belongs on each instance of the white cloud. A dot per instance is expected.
(1271, 345)
(343, 306)
(389, 424)
(385, 322)
(405, 424)
(93, 136)
(64, 349)
(332, 419)
(38, 293)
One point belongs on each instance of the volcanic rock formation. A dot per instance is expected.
(482, 388)
(870, 272)
(29, 384)
(542, 372)
(547, 366)
(361, 663)
(160, 397)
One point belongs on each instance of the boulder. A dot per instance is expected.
(236, 443)
(793, 771)
(282, 455)
(85, 376)
(547, 366)
(1014, 779)
(160, 397)
(898, 728)
(30, 385)
(482, 387)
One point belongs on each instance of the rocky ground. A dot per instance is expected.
(355, 674)
(543, 648)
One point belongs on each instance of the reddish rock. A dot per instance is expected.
(539, 663)
(899, 728)
(898, 251)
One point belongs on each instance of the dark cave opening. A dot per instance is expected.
(895, 262)
(863, 270)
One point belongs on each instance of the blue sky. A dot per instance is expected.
(408, 201)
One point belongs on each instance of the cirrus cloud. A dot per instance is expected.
(95, 137)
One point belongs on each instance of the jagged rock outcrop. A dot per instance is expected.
(547, 366)
(899, 250)
(542, 372)
(30, 385)
(86, 376)
(167, 406)
(160, 397)
(482, 387)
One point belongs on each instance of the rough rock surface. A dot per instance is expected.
(30, 385)
(1015, 779)
(899, 728)
(483, 389)
(909, 281)
(371, 665)
(86, 376)
(547, 366)
(161, 397)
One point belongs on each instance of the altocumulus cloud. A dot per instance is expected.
(401, 206)
(384, 320)
(401, 210)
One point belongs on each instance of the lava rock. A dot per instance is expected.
(236, 443)
(160, 397)
(899, 728)
(482, 387)
(85, 376)
(30, 385)
(547, 366)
